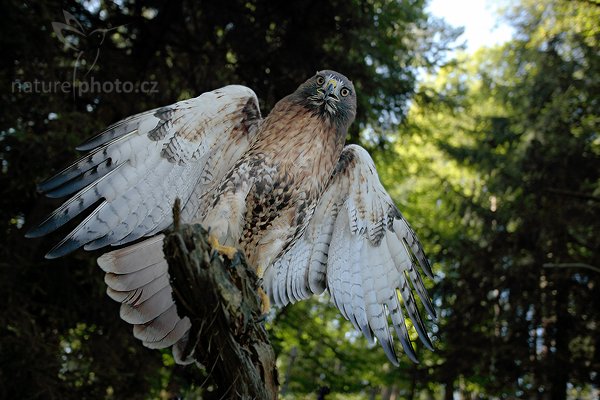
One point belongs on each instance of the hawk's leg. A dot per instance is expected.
(265, 303)
(224, 250)
(230, 252)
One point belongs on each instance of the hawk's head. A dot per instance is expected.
(331, 95)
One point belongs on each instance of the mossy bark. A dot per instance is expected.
(220, 297)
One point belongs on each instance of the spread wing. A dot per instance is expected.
(135, 169)
(359, 247)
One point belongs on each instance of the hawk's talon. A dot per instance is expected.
(227, 251)
(265, 303)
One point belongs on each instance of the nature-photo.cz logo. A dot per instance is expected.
(86, 46)
(79, 88)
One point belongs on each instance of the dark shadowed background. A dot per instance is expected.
(494, 157)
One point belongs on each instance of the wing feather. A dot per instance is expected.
(130, 178)
(364, 252)
(359, 297)
(137, 167)
(338, 261)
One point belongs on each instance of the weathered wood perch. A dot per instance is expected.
(220, 298)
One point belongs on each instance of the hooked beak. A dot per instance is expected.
(329, 89)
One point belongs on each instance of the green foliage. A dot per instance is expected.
(319, 349)
(503, 171)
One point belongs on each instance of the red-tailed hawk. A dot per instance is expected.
(309, 213)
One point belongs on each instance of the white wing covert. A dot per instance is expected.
(360, 248)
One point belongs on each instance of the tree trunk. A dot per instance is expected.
(449, 389)
(559, 359)
(220, 297)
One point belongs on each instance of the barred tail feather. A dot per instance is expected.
(137, 277)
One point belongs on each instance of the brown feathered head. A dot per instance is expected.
(330, 95)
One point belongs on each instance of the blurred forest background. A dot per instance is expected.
(494, 157)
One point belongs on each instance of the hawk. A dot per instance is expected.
(309, 213)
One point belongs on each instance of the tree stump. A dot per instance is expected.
(220, 298)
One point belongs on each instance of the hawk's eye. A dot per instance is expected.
(345, 92)
(320, 80)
